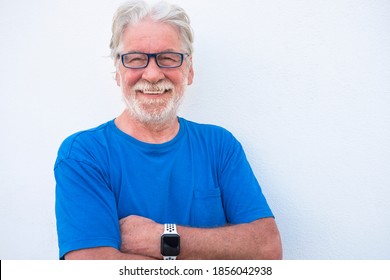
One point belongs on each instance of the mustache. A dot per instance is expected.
(161, 86)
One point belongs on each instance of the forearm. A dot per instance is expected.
(257, 240)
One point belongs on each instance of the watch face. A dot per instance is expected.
(170, 245)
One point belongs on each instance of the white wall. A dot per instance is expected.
(304, 85)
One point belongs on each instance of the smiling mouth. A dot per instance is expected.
(154, 92)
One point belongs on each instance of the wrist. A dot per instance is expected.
(152, 247)
(140, 236)
(156, 253)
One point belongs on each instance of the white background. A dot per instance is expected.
(304, 85)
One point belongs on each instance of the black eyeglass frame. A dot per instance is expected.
(154, 55)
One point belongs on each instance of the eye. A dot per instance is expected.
(169, 59)
(135, 60)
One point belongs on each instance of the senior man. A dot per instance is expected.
(152, 185)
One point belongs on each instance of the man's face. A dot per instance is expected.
(153, 94)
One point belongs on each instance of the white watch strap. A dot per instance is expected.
(169, 258)
(170, 228)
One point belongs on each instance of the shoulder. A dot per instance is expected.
(206, 130)
(84, 142)
(213, 137)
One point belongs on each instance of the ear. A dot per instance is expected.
(190, 77)
(118, 78)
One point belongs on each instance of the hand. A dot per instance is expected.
(141, 236)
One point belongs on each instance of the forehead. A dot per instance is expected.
(151, 36)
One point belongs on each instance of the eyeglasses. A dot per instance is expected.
(138, 60)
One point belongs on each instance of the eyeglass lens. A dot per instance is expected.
(140, 60)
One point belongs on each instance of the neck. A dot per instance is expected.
(153, 133)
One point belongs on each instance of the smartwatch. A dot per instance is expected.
(170, 242)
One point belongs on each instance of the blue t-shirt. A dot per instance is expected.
(201, 178)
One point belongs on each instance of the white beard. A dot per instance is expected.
(154, 111)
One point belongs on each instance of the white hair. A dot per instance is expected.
(132, 12)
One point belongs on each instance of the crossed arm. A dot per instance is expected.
(259, 239)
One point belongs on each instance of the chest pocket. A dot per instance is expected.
(208, 208)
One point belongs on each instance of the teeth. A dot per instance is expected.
(153, 92)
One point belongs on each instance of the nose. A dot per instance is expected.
(152, 73)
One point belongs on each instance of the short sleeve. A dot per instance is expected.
(241, 193)
(86, 209)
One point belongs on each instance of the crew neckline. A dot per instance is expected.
(150, 146)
